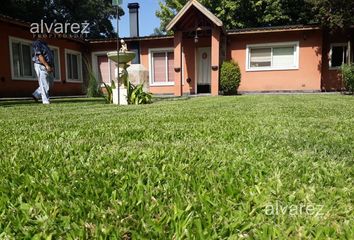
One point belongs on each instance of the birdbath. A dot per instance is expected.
(120, 92)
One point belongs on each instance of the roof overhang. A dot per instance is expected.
(288, 28)
(198, 6)
(130, 39)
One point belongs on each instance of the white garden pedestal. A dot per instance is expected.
(123, 93)
(120, 92)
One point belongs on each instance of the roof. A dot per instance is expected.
(201, 8)
(191, 3)
(131, 39)
(15, 21)
(273, 29)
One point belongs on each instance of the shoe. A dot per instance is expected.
(34, 98)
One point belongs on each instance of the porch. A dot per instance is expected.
(199, 41)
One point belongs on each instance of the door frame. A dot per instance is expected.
(196, 64)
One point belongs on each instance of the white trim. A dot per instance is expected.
(195, 71)
(183, 62)
(151, 67)
(94, 56)
(59, 65)
(198, 62)
(13, 77)
(273, 45)
(330, 54)
(79, 61)
(26, 41)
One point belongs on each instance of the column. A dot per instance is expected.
(178, 63)
(215, 60)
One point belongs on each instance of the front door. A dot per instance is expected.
(103, 69)
(204, 70)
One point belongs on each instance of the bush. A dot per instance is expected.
(230, 77)
(94, 88)
(108, 97)
(138, 96)
(348, 77)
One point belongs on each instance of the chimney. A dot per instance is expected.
(134, 19)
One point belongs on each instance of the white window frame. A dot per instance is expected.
(79, 61)
(57, 79)
(151, 67)
(26, 41)
(330, 54)
(272, 45)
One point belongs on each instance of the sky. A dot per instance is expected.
(147, 18)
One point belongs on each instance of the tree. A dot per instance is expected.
(157, 32)
(334, 14)
(245, 13)
(98, 13)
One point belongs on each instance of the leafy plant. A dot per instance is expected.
(109, 92)
(94, 88)
(137, 95)
(230, 77)
(348, 77)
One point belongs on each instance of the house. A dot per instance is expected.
(286, 58)
(17, 76)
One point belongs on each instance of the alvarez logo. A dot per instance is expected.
(60, 29)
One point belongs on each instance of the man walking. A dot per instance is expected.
(43, 65)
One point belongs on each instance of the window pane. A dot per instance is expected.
(27, 61)
(171, 68)
(159, 63)
(345, 49)
(339, 56)
(283, 57)
(56, 63)
(260, 57)
(32, 65)
(69, 66)
(16, 59)
(75, 67)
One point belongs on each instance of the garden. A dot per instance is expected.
(231, 167)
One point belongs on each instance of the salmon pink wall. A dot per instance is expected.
(144, 59)
(215, 60)
(306, 78)
(20, 88)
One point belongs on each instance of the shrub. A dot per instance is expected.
(109, 92)
(348, 77)
(138, 96)
(94, 88)
(230, 77)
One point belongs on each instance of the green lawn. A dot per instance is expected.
(199, 168)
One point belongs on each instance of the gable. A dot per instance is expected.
(200, 8)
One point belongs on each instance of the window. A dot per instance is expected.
(22, 66)
(277, 56)
(56, 72)
(73, 66)
(338, 55)
(161, 67)
(21, 60)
